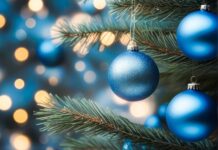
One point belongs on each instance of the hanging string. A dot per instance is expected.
(133, 20)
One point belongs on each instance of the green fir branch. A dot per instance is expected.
(85, 116)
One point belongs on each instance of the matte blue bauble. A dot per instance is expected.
(127, 145)
(133, 76)
(197, 35)
(152, 121)
(192, 115)
(50, 54)
(162, 111)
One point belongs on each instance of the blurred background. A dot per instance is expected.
(32, 65)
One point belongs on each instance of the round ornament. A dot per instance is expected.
(152, 121)
(162, 111)
(50, 54)
(192, 115)
(133, 75)
(197, 35)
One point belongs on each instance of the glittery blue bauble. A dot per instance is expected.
(192, 115)
(162, 111)
(197, 36)
(127, 145)
(133, 76)
(50, 54)
(152, 121)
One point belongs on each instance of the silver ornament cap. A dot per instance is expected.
(205, 7)
(132, 46)
(193, 85)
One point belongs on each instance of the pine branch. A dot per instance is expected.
(92, 143)
(83, 116)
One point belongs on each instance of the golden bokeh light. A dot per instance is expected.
(53, 81)
(35, 5)
(21, 54)
(80, 18)
(107, 38)
(5, 102)
(42, 98)
(40, 69)
(2, 21)
(20, 116)
(80, 66)
(99, 4)
(19, 84)
(143, 108)
(125, 38)
(118, 100)
(20, 141)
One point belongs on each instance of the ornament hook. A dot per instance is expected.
(193, 85)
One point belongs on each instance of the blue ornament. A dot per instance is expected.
(197, 36)
(192, 115)
(152, 121)
(162, 111)
(127, 145)
(133, 76)
(88, 7)
(50, 54)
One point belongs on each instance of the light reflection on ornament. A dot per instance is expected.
(80, 66)
(89, 77)
(35, 5)
(99, 4)
(143, 108)
(2, 21)
(107, 38)
(21, 54)
(19, 84)
(30, 23)
(5, 102)
(20, 116)
(20, 141)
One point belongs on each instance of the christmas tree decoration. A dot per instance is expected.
(192, 115)
(162, 111)
(127, 145)
(197, 35)
(50, 54)
(133, 75)
(152, 121)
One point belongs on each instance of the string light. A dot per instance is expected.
(2, 21)
(5, 102)
(19, 84)
(53, 80)
(107, 38)
(20, 116)
(142, 108)
(20, 141)
(35, 5)
(99, 4)
(80, 66)
(30, 23)
(42, 97)
(21, 54)
(89, 77)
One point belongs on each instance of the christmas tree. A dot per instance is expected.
(85, 124)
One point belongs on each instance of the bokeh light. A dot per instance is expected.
(20, 116)
(107, 38)
(53, 80)
(89, 77)
(2, 21)
(20, 141)
(19, 84)
(40, 69)
(118, 100)
(42, 97)
(99, 4)
(125, 38)
(21, 34)
(30, 23)
(80, 66)
(5, 102)
(79, 18)
(21, 54)
(143, 108)
(35, 5)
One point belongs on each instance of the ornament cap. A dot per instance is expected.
(132, 46)
(205, 7)
(193, 85)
